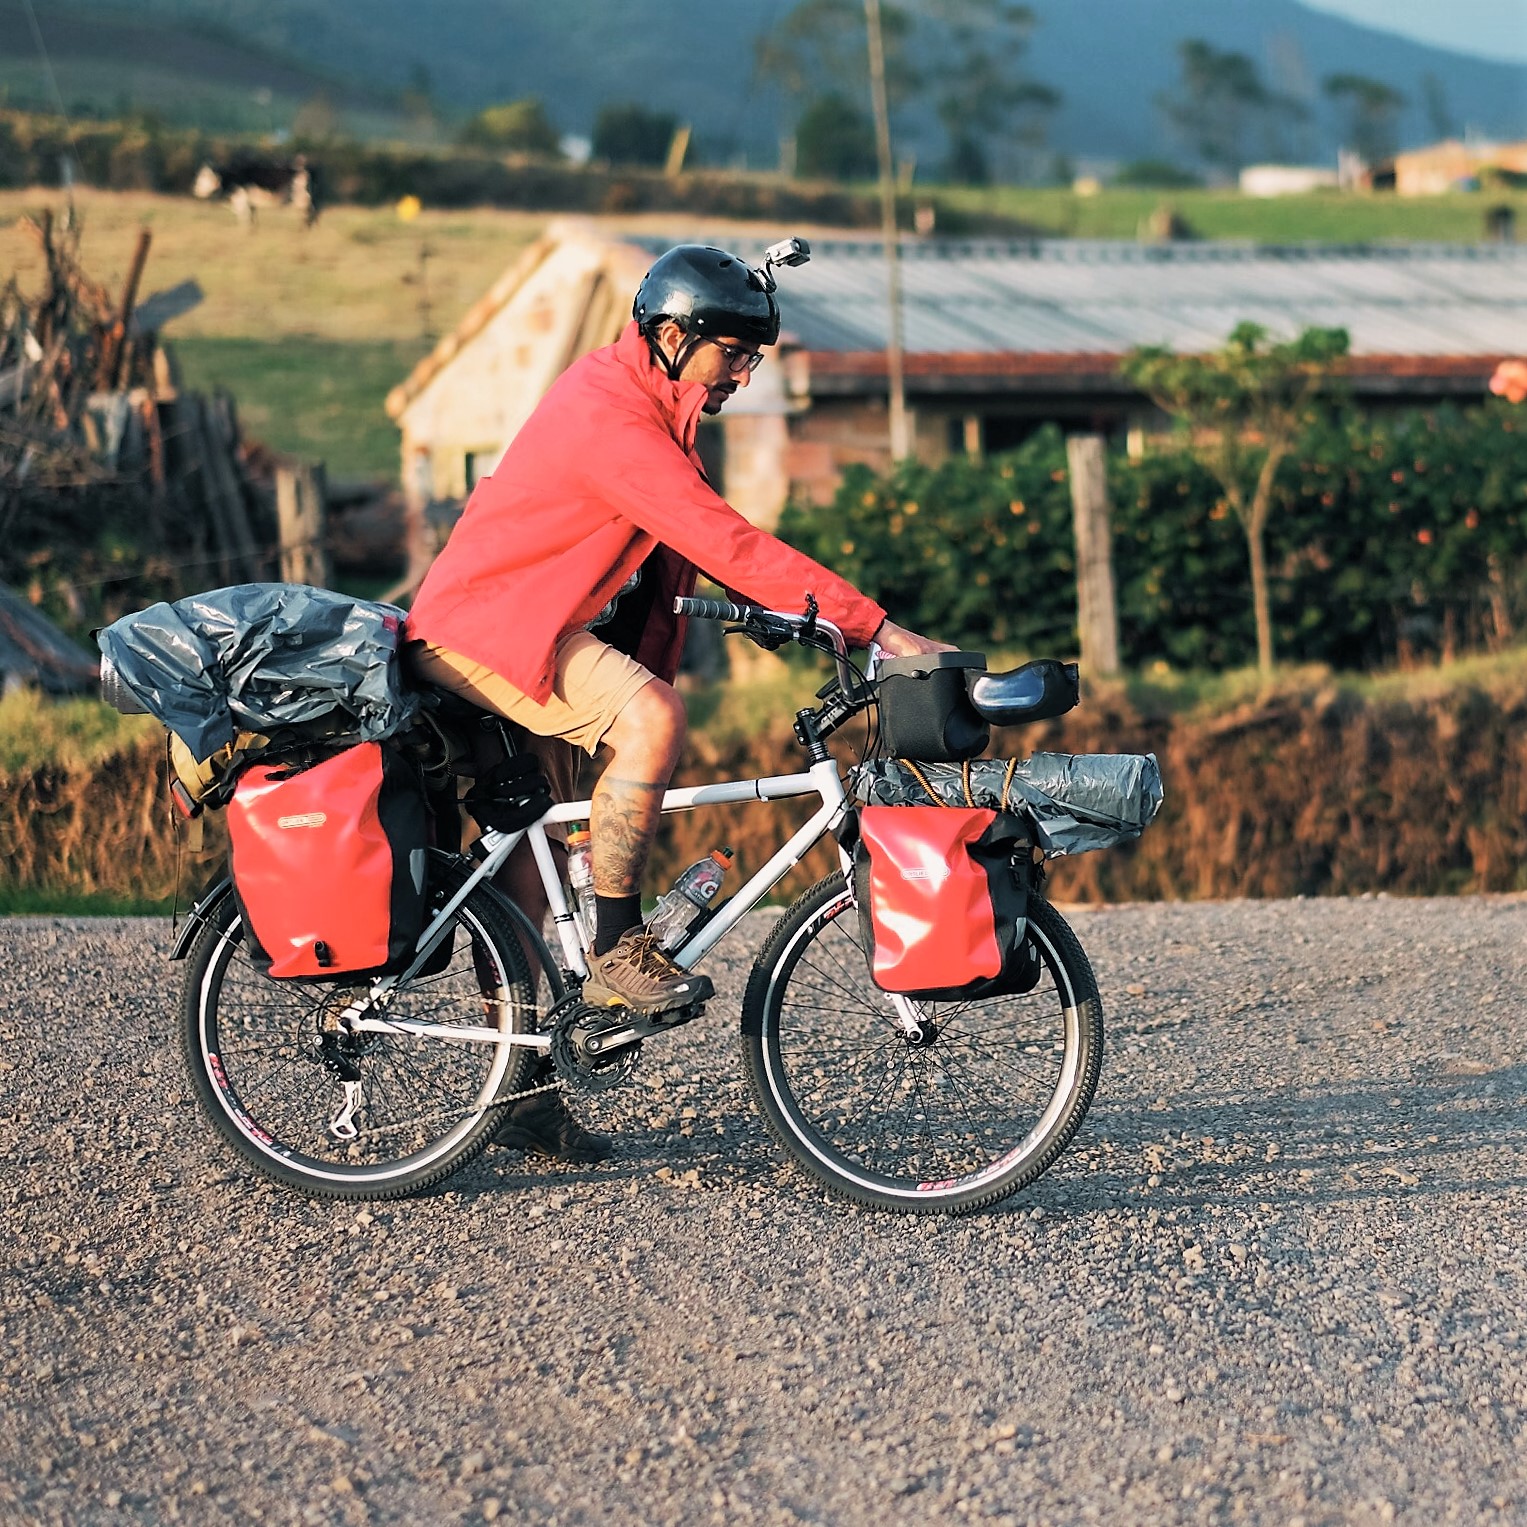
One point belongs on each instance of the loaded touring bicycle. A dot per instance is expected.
(921, 1029)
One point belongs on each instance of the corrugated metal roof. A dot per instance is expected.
(1102, 298)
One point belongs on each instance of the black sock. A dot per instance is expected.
(615, 915)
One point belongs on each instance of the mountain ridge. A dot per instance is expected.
(1110, 59)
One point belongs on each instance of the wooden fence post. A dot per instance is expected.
(303, 524)
(1097, 613)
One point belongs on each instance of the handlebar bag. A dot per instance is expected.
(925, 709)
(942, 894)
(329, 862)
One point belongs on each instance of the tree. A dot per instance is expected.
(628, 133)
(835, 140)
(1439, 116)
(817, 56)
(516, 127)
(961, 54)
(1371, 107)
(983, 103)
(818, 49)
(1220, 99)
(1245, 406)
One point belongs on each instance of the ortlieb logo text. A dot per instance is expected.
(303, 819)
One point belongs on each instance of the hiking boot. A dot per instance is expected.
(542, 1126)
(638, 975)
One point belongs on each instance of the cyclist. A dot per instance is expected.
(551, 602)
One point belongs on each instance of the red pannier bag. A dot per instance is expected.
(943, 901)
(328, 863)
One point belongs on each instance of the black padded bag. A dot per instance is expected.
(925, 709)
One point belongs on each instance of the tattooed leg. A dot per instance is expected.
(644, 742)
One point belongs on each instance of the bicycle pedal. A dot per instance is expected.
(675, 1016)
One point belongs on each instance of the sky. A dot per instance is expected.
(1490, 28)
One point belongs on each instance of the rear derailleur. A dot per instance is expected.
(596, 1048)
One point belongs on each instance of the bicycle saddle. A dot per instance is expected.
(1035, 691)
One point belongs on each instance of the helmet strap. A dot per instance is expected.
(687, 347)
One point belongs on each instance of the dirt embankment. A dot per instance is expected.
(1322, 794)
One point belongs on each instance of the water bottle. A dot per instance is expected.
(682, 910)
(580, 875)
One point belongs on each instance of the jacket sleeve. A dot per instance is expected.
(655, 485)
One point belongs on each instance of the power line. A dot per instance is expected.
(58, 96)
(746, 101)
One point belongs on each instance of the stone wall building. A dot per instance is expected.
(1000, 337)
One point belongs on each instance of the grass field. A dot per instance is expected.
(309, 328)
(1320, 217)
(320, 399)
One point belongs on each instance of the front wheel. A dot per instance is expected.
(365, 1115)
(977, 1104)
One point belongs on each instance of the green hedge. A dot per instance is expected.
(134, 157)
(1395, 536)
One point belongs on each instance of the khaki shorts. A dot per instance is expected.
(591, 684)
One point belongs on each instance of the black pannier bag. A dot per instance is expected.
(329, 864)
(942, 894)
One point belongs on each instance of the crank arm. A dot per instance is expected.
(638, 1028)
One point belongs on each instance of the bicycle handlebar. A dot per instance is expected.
(772, 628)
(712, 609)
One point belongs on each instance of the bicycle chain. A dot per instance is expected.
(444, 1114)
(559, 1019)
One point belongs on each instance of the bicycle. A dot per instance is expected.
(384, 1089)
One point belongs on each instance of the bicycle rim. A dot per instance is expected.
(948, 1125)
(269, 1062)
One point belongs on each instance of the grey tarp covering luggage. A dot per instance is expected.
(260, 656)
(1078, 801)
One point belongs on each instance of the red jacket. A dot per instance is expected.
(603, 478)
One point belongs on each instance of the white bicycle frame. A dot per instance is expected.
(822, 780)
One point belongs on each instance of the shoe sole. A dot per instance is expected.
(512, 1139)
(696, 990)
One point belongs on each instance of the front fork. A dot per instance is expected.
(908, 1020)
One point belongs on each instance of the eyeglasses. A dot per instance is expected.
(738, 360)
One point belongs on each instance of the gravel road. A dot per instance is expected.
(1279, 1278)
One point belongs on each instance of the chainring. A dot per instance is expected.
(573, 1021)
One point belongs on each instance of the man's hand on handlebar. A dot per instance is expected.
(897, 641)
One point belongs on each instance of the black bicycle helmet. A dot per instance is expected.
(707, 292)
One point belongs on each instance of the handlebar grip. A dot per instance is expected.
(710, 609)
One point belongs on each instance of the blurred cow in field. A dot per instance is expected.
(250, 182)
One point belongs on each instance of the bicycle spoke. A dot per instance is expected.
(332, 1109)
(904, 1118)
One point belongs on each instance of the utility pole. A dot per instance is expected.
(901, 445)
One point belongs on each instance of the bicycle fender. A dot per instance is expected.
(198, 915)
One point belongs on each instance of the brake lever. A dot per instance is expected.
(770, 638)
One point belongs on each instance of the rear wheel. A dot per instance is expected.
(975, 1106)
(359, 1115)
